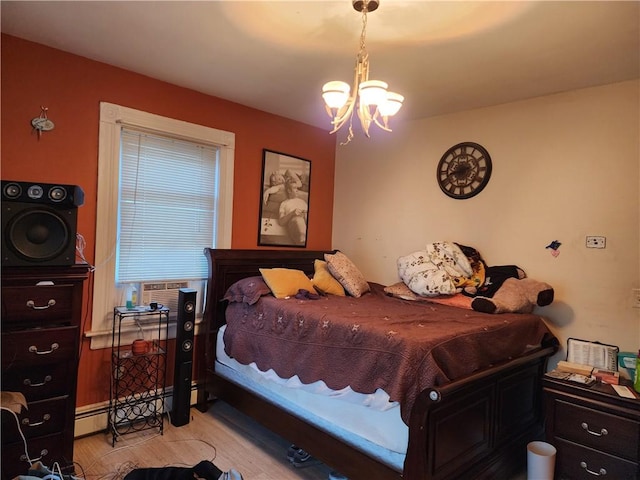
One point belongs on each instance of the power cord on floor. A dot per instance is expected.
(115, 450)
(123, 469)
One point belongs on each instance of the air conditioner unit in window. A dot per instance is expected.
(163, 293)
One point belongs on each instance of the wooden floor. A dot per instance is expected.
(222, 435)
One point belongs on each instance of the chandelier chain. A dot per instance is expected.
(363, 47)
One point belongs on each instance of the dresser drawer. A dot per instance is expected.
(39, 346)
(602, 431)
(41, 418)
(576, 462)
(49, 449)
(33, 306)
(38, 383)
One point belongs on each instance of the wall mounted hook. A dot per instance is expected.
(42, 123)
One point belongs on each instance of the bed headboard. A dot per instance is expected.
(227, 266)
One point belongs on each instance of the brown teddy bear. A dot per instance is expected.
(516, 296)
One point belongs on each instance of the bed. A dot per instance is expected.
(475, 425)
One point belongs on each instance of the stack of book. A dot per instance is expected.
(584, 374)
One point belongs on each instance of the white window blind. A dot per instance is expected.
(167, 215)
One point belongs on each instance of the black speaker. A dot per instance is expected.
(39, 222)
(181, 404)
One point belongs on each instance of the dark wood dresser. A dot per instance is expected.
(596, 432)
(41, 321)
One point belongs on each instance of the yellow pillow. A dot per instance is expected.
(285, 282)
(324, 281)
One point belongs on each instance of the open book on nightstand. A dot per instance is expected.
(587, 363)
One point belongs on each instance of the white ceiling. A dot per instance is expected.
(276, 55)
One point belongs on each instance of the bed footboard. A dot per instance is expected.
(478, 427)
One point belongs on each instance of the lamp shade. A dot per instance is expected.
(392, 105)
(373, 92)
(335, 94)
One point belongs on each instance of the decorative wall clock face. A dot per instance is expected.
(464, 170)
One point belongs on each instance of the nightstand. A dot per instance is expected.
(596, 432)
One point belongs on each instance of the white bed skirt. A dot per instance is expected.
(369, 423)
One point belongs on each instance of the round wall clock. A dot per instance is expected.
(464, 170)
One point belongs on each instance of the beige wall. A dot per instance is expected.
(564, 166)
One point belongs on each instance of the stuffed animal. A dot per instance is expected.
(516, 296)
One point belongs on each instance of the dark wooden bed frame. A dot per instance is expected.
(475, 427)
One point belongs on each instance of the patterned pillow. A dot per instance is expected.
(401, 290)
(248, 290)
(285, 282)
(347, 274)
(324, 281)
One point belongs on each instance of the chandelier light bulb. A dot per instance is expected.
(336, 94)
(392, 104)
(373, 92)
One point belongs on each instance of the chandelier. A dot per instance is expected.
(369, 98)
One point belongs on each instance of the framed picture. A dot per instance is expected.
(284, 200)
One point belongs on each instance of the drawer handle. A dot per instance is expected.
(45, 418)
(28, 383)
(43, 453)
(602, 433)
(34, 349)
(31, 304)
(601, 473)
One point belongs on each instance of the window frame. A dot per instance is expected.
(112, 118)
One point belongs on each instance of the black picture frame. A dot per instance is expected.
(284, 175)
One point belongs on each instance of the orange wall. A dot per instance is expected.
(72, 88)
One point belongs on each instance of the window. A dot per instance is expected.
(167, 208)
(165, 191)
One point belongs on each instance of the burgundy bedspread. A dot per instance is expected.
(375, 341)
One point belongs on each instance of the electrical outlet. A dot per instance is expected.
(635, 299)
(596, 242)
